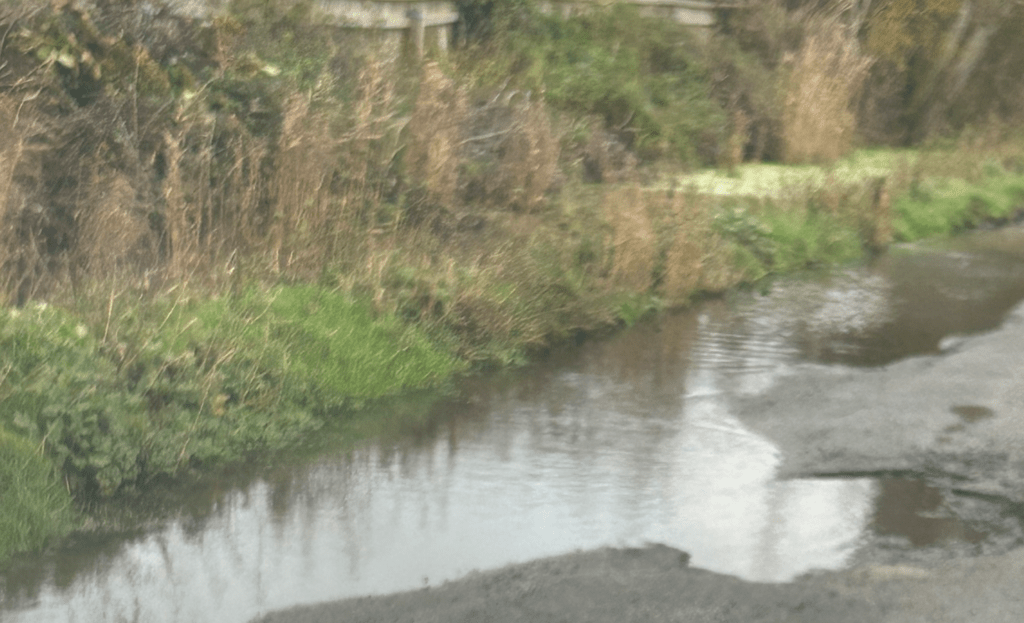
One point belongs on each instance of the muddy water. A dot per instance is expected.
(617, 442)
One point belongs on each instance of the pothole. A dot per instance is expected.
(918, 521)
(914, 519)
(911, 509)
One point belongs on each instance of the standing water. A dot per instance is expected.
(617, 442)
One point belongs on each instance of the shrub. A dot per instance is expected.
(60, 393)
(643, 77)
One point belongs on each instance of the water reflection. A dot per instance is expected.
(628, 442)
(570, 466)
(618, 442)
(903, 304)
(910, 509)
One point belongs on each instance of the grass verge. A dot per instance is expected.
(117, 394)
(36, 506)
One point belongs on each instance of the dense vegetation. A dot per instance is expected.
(218, 235)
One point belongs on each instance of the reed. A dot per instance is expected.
(434, 138)
(825, 79)
(634, 239)
(11, 149)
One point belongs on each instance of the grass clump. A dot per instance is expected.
(941, 206)
(36, 506)
(159, 386)
(801, 241)
(327, 347)
(825, 79)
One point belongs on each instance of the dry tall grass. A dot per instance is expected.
(689, 247)
(113, 234)
(529, 158)
(304, 222)
(739, 137)
(11, 149)
(826, 77)
(435, 134)
(634, 239)
(290, 203)
(661, 241)
(213, 192)
(23, 245)
(878, 233)
(370, 141)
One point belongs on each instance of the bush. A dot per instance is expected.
(60, 393)
(643, 77)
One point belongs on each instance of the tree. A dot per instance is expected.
(937, 46)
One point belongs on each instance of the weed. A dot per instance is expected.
(803, 241)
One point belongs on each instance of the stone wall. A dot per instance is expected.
(697, 13)
(426, 23)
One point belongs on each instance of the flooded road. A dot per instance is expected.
(620, 442)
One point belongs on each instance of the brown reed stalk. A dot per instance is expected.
(302, 225)
(11, 145)
(689, 245)
(634, 241)
(529, 158)
(369, 143)
(434, 136)
(180, 209)
(826, 77)
(19, 253)
(113, 235)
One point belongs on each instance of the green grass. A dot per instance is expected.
(940, 206)
(779, 218)
(802, 241)
(36, 508)
(164, 385)
(327, 347)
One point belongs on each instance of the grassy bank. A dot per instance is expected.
(119, 389)
(219, 237)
